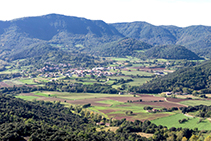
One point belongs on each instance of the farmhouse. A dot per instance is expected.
(168, 93)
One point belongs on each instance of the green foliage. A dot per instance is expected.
(41, 120)
(122, 48)
(172, 121)
(196, 38)
(185, 80)
(171, 52)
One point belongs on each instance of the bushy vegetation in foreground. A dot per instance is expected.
(39, 120)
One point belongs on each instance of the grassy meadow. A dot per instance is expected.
(196, 102)
(172, 121)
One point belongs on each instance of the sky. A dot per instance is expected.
(180, 13)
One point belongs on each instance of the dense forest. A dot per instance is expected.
(41, 121)
(195, 79)
(74, 59)
(196, 38)
(171, 52)
(122, 48)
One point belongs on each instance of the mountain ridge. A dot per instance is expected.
(196, 37)
(80, 34)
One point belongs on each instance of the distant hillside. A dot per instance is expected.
(122, 48)
(195, 38)
(146, 32)
(188, 80)
(74, 34)
(171, 52)
(47, 26)
(61, 31)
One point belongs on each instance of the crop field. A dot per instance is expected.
(27, 97)
(196, 102)
(139, 81)
(109, 105)
(115, 106)
(172, 121)
(3, 84)
(10, 71)
(134, 72)
(187, 96)
(27, 81)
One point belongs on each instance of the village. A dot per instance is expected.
(63, 70)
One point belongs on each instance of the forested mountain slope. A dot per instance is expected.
(171, 52)
(122, 48)
(146, 32)
(196, 38)
(66, 32)
(188, 80)
(95, 36)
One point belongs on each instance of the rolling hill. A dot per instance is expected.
(61, 31)
(196, 38)
(74, 34)
(171, 52)
(122, 48)
(192, 79)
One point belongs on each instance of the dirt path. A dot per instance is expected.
(187, 115)
(175, 102)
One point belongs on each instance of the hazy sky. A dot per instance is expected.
(158, 12)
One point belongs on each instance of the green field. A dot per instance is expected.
(28, 81)
(26, 97)
(13, 82)
(118, 109)
(137, 72)
(43, 94)
(111, 102)
(196, 102)
(77, 96)
(10, 71)
(172, 121)
(138, 81)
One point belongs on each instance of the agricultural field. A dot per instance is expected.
(19, 82)
(135, 72)
(109, 105)
(196, 102)
(193, 122)
(129, 72)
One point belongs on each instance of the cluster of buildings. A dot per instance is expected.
(59, 70)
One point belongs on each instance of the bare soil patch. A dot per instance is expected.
(146, 97)
(123, 99)
(123, 105)
(2, 84)
(147, 135)
(176, 99)
(107, 111)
